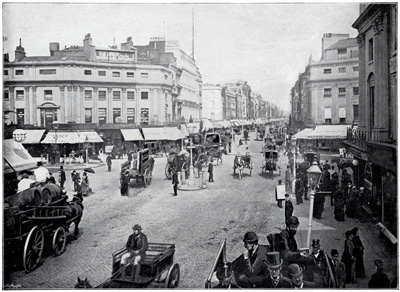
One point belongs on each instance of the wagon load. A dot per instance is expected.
(29, 197)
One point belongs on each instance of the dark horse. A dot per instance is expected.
(269, 167)
(74, 209)
(82, 284)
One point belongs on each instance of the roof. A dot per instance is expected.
(342, 44)
(329, 132)
(132, 135)
(303, 134)
(53, 58)
(16, 157)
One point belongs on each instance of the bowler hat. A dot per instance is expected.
(334, 252)
(378, 263)
(315, 243)
(294, 270)
(137, 227)
(287, 195)
(250, 236)
(293, 221)
(273, 260)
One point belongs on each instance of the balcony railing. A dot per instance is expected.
(357, 137)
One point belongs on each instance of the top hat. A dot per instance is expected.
(293, 221)
(287, 195)
(137, 227)
(334, 252)
(250, 236)
(315, 243)
(273, 260)
(294, 270)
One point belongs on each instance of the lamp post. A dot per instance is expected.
(19, 135)
(294, 165)
(191, 147)
(56, 125)
(314, 176)
(87, 145)
(356, 163)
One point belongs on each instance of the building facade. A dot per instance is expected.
(213, 102)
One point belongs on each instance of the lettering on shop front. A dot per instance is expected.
(114, 56)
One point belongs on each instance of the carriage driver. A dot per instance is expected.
(136, 246)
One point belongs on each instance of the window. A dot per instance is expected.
(371, 95)
(342, 115)
(342, 54)
(19, 94)
(5, 72)
(48, 116)
(102, 73)
(355, 112)
(328, 116)
(116, 114)
(130, 95)
(144, 95)
(165, 76)
(327, 71)
(6, 95)
(130, 113)
(88, 72)
(20, 116)
(342, 70)
(130, 74)
(102, 116)
(102, 95)
(48, 94)
(144, 75)
(47, 71)
(356, 69)
(327, 92)
(355, 90)
(88, 115)
(371, 50)
(342, 91)
(116, 74)
(144, 116)
(19, 72)
(116, 95)
(88, 94)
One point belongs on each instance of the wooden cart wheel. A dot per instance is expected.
(145, 179)
(150, 176)
(168, 172)
(33, 249)
(59, 242)
(173, 276)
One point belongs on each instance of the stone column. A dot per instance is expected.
(76, 108)
(110, 109)
(62, 104)
(137, 109)
(80, 105)
(27, 108)
(13, 116)
(95, 110)
(34, 108)
(123, 109)
(69, 105)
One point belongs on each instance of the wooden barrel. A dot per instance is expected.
(29, 197)
(50, 193)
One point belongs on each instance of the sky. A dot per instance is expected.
(267, 45)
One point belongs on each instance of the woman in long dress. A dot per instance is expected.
(348, 258)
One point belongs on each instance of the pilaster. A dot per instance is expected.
(34, 108)
(124, 109)
(27, 105)
(62, 104)
(110, 108)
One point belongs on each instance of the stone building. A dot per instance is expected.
(213, 102)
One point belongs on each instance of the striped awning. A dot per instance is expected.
(173, 133)
(132, 135)
(303, 135)
(33, 136)
(154, 134)
(329, 132)
(62, 137)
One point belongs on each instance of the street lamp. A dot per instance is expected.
(314, 177)
(294, 165)
(56, 125)
(356, 163)
(191, 147)
(87, 145)
(19, 135)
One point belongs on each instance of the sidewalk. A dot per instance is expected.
(331, 234)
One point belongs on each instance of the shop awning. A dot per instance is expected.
(132, 135)
(184, 130)
(303, 134)
(235, 123)
(173, 133)
(33, 136)
(62, 137)
(154, 134)
(207, 124)
(227, 124)
(217, 125)
(16, 157)
(329, 132)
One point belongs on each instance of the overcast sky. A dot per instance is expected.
(266, 44)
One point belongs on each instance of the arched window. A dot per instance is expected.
(371, 99)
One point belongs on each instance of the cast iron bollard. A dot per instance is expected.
(180, 179)
(183, 179)
(201, 179)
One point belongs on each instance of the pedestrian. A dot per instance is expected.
(298, 186)
(275, 279)
(41, 174)
(77, 182)
(288, 178)
(175, 181)
(295, 273)
(85, 184)
(339, 203)
(51, 178)
(305, 184)
(338, 268)
(348, 258)
(358, 253)
(326, 179)
(199, 168)
(317, 271)
(129, 156)
(379, 279)
(210, 171)
(61, 177)
(109, 162)
(288, 207)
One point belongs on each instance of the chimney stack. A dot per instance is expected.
(19, 52)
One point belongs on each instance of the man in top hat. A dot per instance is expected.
(288, 207)
(288, 245)
(338, 268)
(249, 268)
(136, 246)
(318, 267)
(295, 273)
(275, 279)
(379, 279)
(175, 180)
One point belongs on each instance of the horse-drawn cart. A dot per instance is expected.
(158, 268)
(271, 162)
(241, 162)
(181, 163)
(142, 168)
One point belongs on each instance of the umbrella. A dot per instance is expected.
(90, 170)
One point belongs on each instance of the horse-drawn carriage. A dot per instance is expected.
(271, 162)
(35, 218)
(140, 168)
(158, 269)
(207, 147)
(241, 162)
(179, 161)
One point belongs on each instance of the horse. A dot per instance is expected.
(214, 153)
(269, 167)
(74, 209)
(239, 164)
(82, 284)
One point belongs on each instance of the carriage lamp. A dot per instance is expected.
(19, 135)
(314, 177)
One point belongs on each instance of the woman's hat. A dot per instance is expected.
(250, 237)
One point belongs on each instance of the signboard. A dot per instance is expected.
(114, 56)
(144, 115)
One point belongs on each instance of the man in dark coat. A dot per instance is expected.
(358, 253)
(136, 245)
(62, 178)
(298, 188)
(338, 268)
(295, 273)
(379, 279)
(339, 203)
(288, 207)
(317, 270)
(175, 181)
(109, 162)
(210, 172)
(249, 268)
(275, 279)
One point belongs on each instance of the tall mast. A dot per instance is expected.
(192, 34)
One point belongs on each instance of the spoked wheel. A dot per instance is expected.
(150, 176)
(173, 276)
(59, 243)
(145, 178)
(168, 172)
(33, 249)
